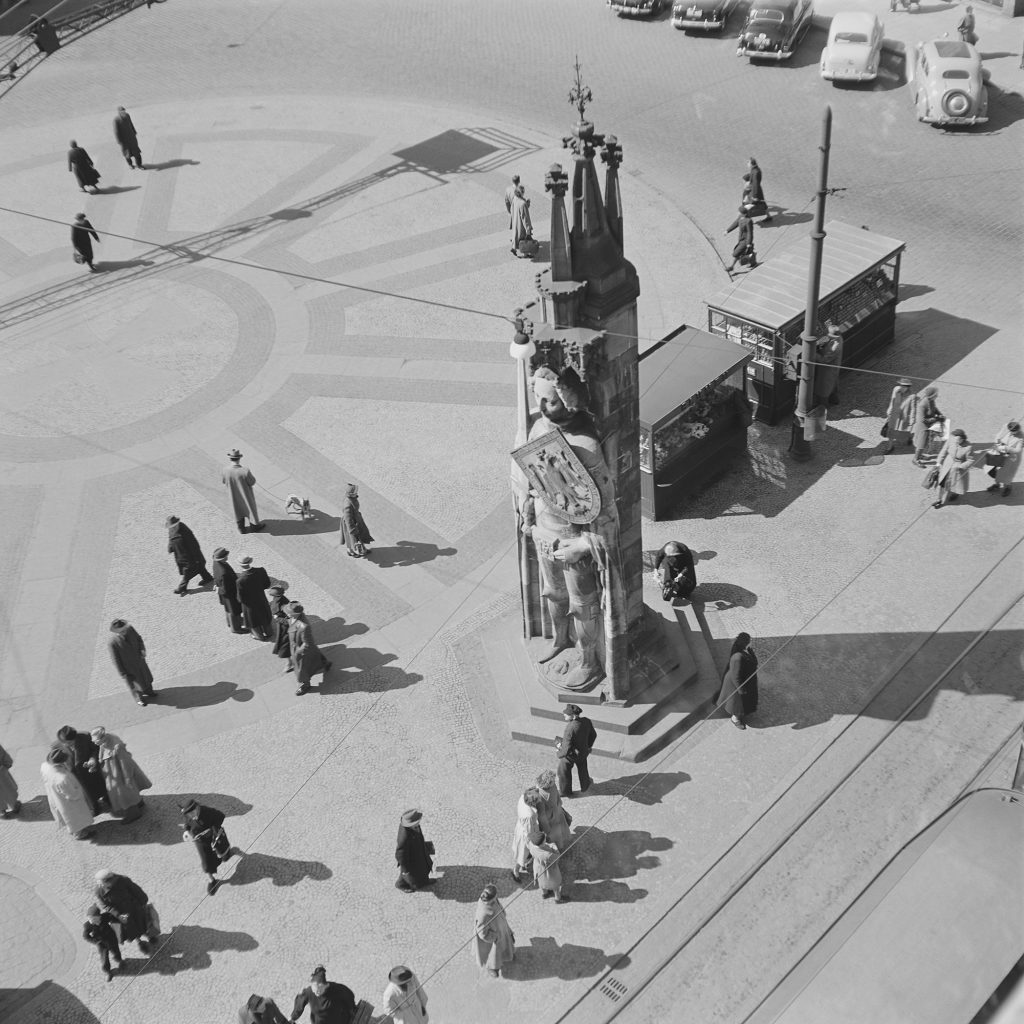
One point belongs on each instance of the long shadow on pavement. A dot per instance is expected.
(48, 1000)
(408, 552)
(161, 820)
(188, 948)
(201, 696)
(254, 867)
(321, 522)
(599, 856)
(545, 958)
(647, 789)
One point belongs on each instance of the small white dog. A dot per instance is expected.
(297, 506)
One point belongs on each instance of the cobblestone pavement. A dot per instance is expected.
(279, 140)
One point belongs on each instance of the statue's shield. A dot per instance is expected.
(559, 478)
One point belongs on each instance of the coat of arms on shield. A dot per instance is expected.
(559, 478)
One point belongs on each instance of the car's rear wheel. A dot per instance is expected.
(956, 103)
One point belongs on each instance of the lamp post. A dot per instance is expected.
(799, 448)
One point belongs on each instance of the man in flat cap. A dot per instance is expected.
(329, 1002)
(261, 1010)
(251, 590)
(403, 1000)
(574, 746)
(188, 555)
(239, 481)
(412, 854)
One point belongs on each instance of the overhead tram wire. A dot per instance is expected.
(176, 249)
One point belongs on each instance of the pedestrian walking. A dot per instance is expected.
(573, 748)
(546, 870)
(123, 778)
(926, 415)
(510, 194)
(261, 1010)
(306, 658)
(81, 166)
(828, 361)
(204, 826)
(738, 696)
(8, 787)
(83, 759)
(128, 652)
(188, 555)
(678, 573)
(225, 579)
(966, 27)
(127, 138)
(413, 853)
(954, 465)
(899, 417)
(329, 1002)
(1004, 459)
(239, 481)
(554, 819)
(99, 931)
(753, 178)
(354, 533)
(404, 1000)
(125, 900)
(68, 803)
(251, 591)
(82, 236)
(527, 829)
(522, 225)
(45, 36)
(281, 623)
(495, 943)
(743, 251)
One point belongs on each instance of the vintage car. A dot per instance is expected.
(637, 8)
(773, 29)
(709, 15)
(854, 48)
(947, 83)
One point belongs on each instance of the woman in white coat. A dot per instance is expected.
(1009, 444)
(404, 1000)
(527, 829)
(68, 802)
(954, 464)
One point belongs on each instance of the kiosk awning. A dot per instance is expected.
(687, 361)
(775, 293)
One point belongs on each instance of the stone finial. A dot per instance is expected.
(556, 181)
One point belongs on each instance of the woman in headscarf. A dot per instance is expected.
(278, 608)
(738, 696)
(68, 802)
(354, 534)
(204, 826)
(83, 758)
(8, 787)
(926, 414)
(1009, 444)
(954, 465)
(82, 235)
(495, 943)
(899, 417)
(554, 818)
(527, 829)
(522, 226)
(307, 659)
(124, 779)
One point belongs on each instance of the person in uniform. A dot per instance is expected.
(573, 747)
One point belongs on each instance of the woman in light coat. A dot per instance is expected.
(546, 870)
(554, 818)
(899, 417)
(494, 945)
(1010, 444)
(125, 780)
(68, 802)
(527, 828)
(926, 412)
(954, 464)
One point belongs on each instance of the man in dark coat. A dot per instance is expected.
(84, 761)
(120, 897)
(188, 556)
(128, 652)
(82, 235)
(251, 590)
(225, 579)
(80, 164)
(261, 1010)
(99, 931)
(754, 187)
(573, 748)
(354, 533)
(678, 575)
(744, 247)
(329, 1002)
(127, 138)
(412, 853)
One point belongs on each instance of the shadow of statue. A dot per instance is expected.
(254, 867)
(188, 948)
(723, 596)
(597, 855)
(200, 696)
(545, 958)
(408, 552)
(646, 789)
(160, 821)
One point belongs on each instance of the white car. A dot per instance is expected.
(854, 48)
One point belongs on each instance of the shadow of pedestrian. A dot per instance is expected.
(408, 552)
(168, 165)
(545, 958)
(367, 677)
(36, 809)
(106, 266)
(723, 596)
(188, 948)
(606, 891)
(462, 883)
(597, 855)
(646, 789)
(160, 822)
(200, 696)
(253, 867)
(321, 522)
(336, 630)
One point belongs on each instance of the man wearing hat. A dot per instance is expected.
(251, 591)
(404, 1001)
(225, 579)
(261, 1010)
(573, 748)
(188, 556)
(412, 853)
(743, 250)
(328, 1001)
(239, 480)
(899, 417)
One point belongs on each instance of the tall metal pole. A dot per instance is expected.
(800, 449)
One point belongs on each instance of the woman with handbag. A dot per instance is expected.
(899, 417)
(82, 235)
(204, 826)
(953, 464)
(1004, 458)
(926, 414)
